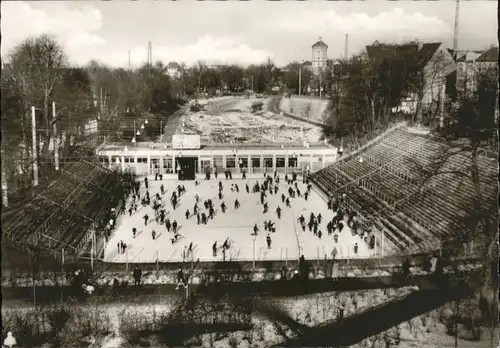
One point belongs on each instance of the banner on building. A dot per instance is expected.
(186, 142)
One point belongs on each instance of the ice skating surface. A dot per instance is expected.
(288, 242)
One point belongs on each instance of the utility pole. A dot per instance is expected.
(100, 106)
(455, 33)
(300, 81)
(252, 84)
(5, 193)
(35, 154)
(56, 139)
(320, 83)
(129, 66)
(346, 48)
(150, 56)
(92, 242)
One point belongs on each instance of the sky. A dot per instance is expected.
(239, 32)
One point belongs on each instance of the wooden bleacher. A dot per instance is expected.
(62, 214)
(384, 184)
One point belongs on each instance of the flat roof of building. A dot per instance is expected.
(210, 147)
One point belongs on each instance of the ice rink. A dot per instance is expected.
(288, 242)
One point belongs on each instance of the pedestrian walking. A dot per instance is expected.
(329, 227)
(174, 226)
(153, 234)
(278, 212)
(268, 240)
(137, 276)
(180, 279)
(255, 229)
(134, 232)
(187, 214)
(146, 218)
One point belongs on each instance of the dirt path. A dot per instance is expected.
(172, 123)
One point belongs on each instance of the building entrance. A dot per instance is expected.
(187, 168)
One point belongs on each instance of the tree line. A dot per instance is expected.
(364, 92)
(367, 90)
(38, 73)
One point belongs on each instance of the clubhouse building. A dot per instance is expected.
(187, 158)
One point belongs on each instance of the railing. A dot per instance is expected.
(369, 143)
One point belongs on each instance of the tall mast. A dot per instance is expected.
(346, 48)
(150, 54)
(455, 34)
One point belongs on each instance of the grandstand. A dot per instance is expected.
(391, 186)
(64, 214)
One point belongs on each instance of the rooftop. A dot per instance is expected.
(490, 55)
(320, 43)
(173, 65)
(425, 50)
(239, 146)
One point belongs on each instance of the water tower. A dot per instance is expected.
(319, 55)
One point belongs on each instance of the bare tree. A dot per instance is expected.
(38, 65)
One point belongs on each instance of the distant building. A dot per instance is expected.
(319, 56)
(489, 58)
(304, 65)
(91, 127)
(174, 70)
(469, 63)
(466, 69)
(437, 64)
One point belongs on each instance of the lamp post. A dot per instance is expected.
(35, 147)
(135, 134)
(254, 236)
(117, 161)
(300, 81)
(35, 154)
(178, 166)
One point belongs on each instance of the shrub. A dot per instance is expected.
(257, 106)
(87, 327)
(134, 327)
(233, 341)
(195, 107)
(25, 326)
(57, 318)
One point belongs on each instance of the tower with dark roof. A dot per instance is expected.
(319, 55)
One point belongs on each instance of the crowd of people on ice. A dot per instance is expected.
(206, 211)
